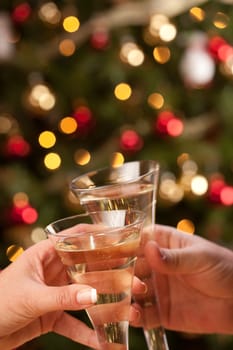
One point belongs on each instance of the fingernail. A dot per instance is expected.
(87, 296)
(144, 287)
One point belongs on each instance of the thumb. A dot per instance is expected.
(71, 297)
(168, 261)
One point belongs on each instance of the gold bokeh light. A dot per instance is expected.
(71, 24)
(186, 226)
(161, 54)
(82, 157)
(117, 159)
(52, 161)
(13, 252)
(123, 91)
(67, 47)
(155, 100)
(68, 125)
(47, 139)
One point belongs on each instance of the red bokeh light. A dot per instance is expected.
(21, 12)
(226, 195)
(131, 141)
(17, 146)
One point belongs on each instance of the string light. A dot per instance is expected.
(38, 234)
(161, 54)
(117, 159)
(47, 139)
(67, 47)
(199, 185)
(167, 32)
(186, 226)
(197, 14)
(52, 161)
(68, 125)
(13, 252)
(82, 157)
(49, 13)
(71, 24)
(155, 100)
(221, 20)
(122, 91)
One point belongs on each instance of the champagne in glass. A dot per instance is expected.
(132, 185)
(99, 249)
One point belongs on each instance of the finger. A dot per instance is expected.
(170, 260)
(76, 330)
(139, 287)
(71, 297)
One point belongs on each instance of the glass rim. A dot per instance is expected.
(74, 188)
(139, 219)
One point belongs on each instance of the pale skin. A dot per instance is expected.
(194, 279)
(34, 291)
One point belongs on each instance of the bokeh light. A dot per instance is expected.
(68, 125)
(20, 199)
(221, 20)
(52, 161)
(161, 54)
(41, 96)
(197, 13)
(199, 185)
(71, 24)
(13, 252)
(117, 159)
(50, 13)
(47, 139)
(186, 226)
(123, 91)
(67, 47)
(82, 156)
(167, 32)
(155, 100)
(38, 234)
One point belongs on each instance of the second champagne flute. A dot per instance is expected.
(132, 185)
(99, 249)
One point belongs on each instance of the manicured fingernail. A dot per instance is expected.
(87, 296)
(144, 287)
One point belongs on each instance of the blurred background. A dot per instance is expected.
(85, 84)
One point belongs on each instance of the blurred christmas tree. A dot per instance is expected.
(88, 83)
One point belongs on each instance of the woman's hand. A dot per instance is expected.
(34, 293)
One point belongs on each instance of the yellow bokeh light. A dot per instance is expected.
(155, 100)
(82, 157)
(68, 125)
(197, 13)
(47, 139)
(161, 54)
(199, 185)
(13, 252)
(71, 24)
(67, 47)
(117, 159)
(52, 161)
(221, 20)
(20, 199)
(122, 91)
(186, 226)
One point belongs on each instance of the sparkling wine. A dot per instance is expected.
(107, 265)
(135, 196)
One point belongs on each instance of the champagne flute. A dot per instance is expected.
(99, 249)
(131, 185)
